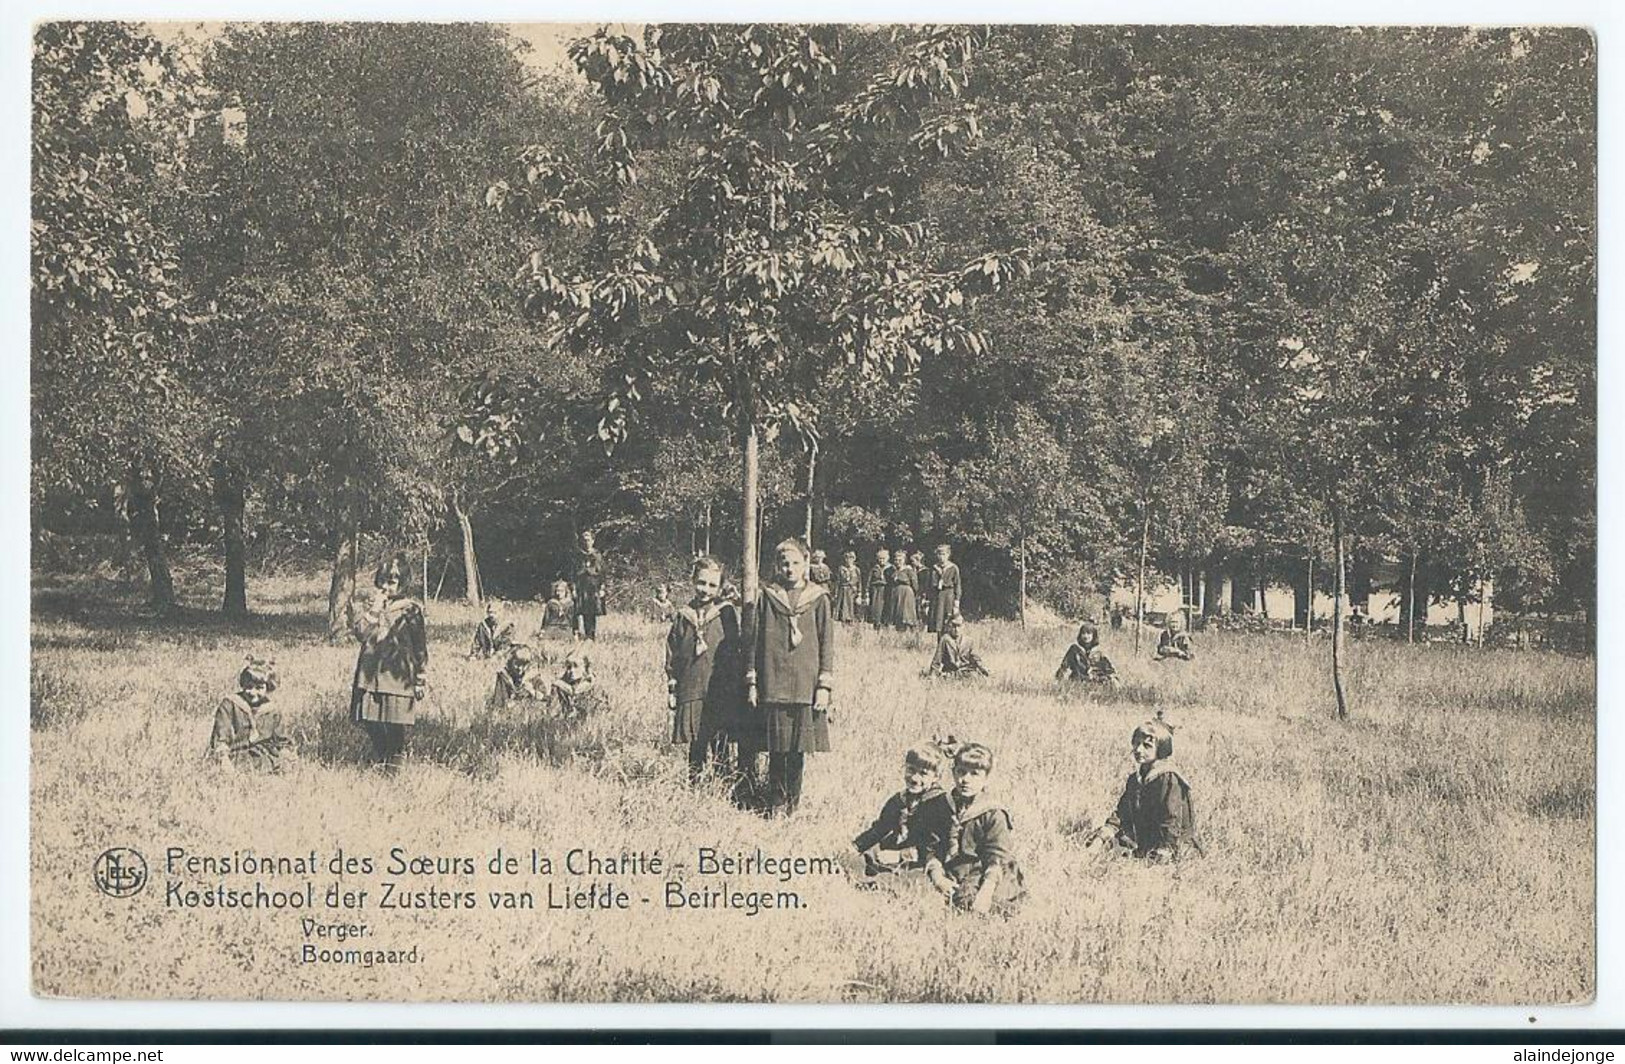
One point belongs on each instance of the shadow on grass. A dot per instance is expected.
(107, 624)
(473, 747)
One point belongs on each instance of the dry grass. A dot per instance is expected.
(1436, 848)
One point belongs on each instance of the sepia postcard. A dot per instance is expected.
(623, 513)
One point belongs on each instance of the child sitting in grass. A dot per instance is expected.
(955, 656)
(573, 692)
(913, 824)
(490, 636)
(1085, 662)
(1174, 642)
(558, 613)
(247, 733)
(516, 683)
(1153, 818)
(977, 865)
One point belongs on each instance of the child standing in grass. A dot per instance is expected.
(877, 588)
(977, 865)
(900, 589)
(847, 588)
(945, 588)
(702, 670)
(591, 593)
(926, 577)
(1085, 662)
(247, 733)
(819, 572)
(914, 823)
(1153, 818)
(390, 671)
(791, 673)
(661, 606)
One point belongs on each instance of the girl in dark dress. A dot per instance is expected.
(590, 593)
(791, 674)
(391, 669)
(847, 588)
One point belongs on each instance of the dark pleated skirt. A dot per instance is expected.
(793, 728)
(380, 708)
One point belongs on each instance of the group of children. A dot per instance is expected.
(961, 842)
(772, 693)
(903, 591)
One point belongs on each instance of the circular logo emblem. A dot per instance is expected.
(121, 872)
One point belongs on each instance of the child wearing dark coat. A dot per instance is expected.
(1085, 662)
(1154, 817)
(791, 673)
(978, 862)
(945, 589)
(914, 823)
(591, 593)
(702, 660)
(819, 571)
(248, 734)
(877, 588)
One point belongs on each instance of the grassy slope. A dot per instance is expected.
(1436, 848)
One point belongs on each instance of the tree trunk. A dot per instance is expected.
(812, 472)
(750, 518)
(1461, 618)
(230, 494)
(1021, 594)
(341, 587)
(1410, 603)
(473, 593)
(1337, 614)
(1139, 582)
(1263, 596)
(141, 508)
(1309, 600)
(708, 528)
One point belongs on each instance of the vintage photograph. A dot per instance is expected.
(730, 513)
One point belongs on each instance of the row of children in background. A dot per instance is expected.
(902, 592)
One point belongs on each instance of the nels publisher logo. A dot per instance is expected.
(121, 872)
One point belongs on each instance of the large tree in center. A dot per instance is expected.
(749, 222)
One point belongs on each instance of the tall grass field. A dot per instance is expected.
(1437, 847)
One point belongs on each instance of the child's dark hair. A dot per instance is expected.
(973, 755)
(707, 563)
(395, 564)
(258, 672)
(924, 755)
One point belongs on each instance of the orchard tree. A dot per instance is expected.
(110, 308)
(780, 238)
